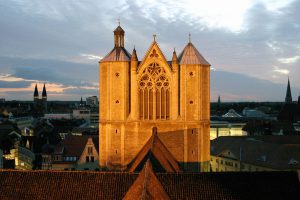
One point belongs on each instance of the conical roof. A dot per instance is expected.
(146, 186)
(190, 55)
(36, 93)
(44, 94)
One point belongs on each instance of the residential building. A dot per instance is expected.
(58, 116)
(76, 153)
(92, 101)
(82, 113)
(226, 128)
(259, 153)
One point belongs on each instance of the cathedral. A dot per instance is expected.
(40, 104)
(140, 98)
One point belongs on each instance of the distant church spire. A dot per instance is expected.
(288, 96)
(36, 92)
(44, 94)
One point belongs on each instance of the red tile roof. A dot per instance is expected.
(27, 185)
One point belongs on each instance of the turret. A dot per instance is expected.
(119, 36)
(175, 67)
(174, 60)
(133, 79)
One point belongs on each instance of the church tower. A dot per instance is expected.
(114, 102)
(44, 99)
(137, 96)
(288, 96)
(35, 94)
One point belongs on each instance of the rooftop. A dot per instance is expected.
(107, 185)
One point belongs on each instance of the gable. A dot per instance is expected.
(154, 55)
(156, 152)
(89, 150)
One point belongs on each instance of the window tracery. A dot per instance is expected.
(154, 93)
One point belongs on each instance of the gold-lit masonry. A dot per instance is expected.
(136, 96)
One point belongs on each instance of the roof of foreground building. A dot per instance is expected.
(35, 185)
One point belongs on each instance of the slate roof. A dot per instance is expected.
(274, 152)
(117, 54)
(190, 55)
(107, 185)
(74, 145)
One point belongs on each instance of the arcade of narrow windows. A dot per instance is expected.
(154, 93)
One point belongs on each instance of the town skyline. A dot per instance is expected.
(252, 49)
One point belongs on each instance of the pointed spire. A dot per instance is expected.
(44, 94)
(219, 99)
(288, 96)
(36, 92)
(134, 55)
(190, 37)
(81, 101)
(174, 57)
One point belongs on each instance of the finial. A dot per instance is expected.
(189, 37)
(154, 37)
(119, 21)
(174, 49)
(133, 47)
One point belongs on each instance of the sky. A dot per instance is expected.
(253, 46)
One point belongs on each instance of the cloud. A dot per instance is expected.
(281, 71)
(289, 60)
(10, 78)
(61, 41)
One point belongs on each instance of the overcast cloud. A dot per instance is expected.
(253, 45)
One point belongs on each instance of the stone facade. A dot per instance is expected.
(136, 96)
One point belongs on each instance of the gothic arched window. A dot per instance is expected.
(154, 93)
